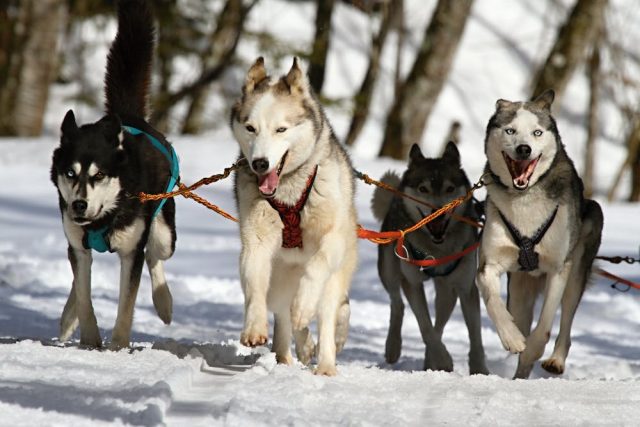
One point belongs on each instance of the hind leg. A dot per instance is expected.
(69, 319)
(160, 247)
(583, 257)
(282, 337)
(342, 326)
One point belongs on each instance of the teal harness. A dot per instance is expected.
(97, 239)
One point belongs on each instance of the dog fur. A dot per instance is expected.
(98, 169)
(436, 182)
(283, 133)
(532, 177)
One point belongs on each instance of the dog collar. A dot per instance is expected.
(290, 215)
(527, 256)
(98, 239)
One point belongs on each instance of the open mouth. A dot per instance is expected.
(520, 170)
(437, 227)
(268, 183)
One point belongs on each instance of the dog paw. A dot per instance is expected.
(328, 370)
(92, 339)
(553, 366)
(305, 347)
(437, 358)
(512, 339)
(284, 359)
(393, 349)
(163, 303)
(523, 371)
(253, 337)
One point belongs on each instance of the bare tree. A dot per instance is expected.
(594, 76)
(574, 38)
(29, 33)
(413, 104)
(318, 57)
(362, 99)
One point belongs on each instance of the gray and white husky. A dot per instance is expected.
(539, 229)
(436, 182)
(297, 218)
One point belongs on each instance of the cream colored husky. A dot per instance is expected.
(297, 218)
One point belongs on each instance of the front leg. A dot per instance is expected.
(255, 272)
(488, 281)
(318, 269)
(81, 261)
(130, 272)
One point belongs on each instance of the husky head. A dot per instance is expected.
(522, 140)
(276, 123)
(85, 168)
(435, 182)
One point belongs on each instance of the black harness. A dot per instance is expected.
(527, 257)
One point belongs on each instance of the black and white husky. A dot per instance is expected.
(99, 168)
(539, 229)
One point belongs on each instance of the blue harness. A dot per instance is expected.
(97, 239)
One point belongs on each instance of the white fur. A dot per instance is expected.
(298, 285)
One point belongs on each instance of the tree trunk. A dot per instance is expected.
(223, 42)
(592, 119)
(632, 160)
(28, 62)
(409, 114)
(318, 57)
(575, 36)
(362, 100)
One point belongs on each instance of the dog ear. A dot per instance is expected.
(69, 125)
(112, 126)
(451, 154)
(296, 80)
(415, 154)
(255, 75)
(502, 103)
(545, 99)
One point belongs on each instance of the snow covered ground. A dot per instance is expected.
(195, 372)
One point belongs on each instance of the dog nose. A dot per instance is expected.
(523, 151)
(260, 165)
(79, 206)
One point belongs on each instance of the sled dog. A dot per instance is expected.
(99, 168)
(297, 218)
(540, 230)
(436, 182)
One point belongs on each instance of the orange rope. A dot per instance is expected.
(370, 181)
(618, 279)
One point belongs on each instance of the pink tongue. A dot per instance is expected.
(268, 183)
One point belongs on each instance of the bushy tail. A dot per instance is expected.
(381, 200)
(129, 62)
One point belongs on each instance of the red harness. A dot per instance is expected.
(290, 215)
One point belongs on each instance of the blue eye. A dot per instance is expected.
(70, 173)
(510, 131)
(537, 132)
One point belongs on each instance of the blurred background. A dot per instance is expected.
(389, 72)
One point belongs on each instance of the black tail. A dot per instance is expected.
(129, 62)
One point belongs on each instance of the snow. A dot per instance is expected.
(195, 371)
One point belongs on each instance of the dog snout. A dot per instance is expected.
(260, 165)
(523, 151)
(79, 207)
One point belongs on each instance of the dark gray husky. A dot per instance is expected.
(436, 182)
(99, 168)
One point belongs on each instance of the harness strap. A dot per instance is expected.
(97, 239)
(527, 256)
(401, 252)
(291, 215)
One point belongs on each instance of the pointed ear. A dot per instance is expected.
(503, 103)
(545, 99)
(451, 154)
(255, 75)
(415, 154)
(111, 125)
(69, 125)
(295, 79)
